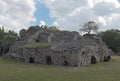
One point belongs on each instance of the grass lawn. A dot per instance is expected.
(17, 71)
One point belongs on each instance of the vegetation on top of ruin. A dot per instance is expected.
(90, 26)
(35, 45)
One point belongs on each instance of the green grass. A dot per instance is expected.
(35, 45)
(17, 71)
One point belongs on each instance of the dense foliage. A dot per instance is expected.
(6, 40)
(112, 39)
(22, 32)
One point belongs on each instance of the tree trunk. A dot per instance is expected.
(1, 51)
(89, 31)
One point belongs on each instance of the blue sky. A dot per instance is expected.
(68, 15)
(42, 14)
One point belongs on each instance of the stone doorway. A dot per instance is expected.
(31, 60)
(37, 40)
(48, 60)
(106, 58)
(109, 57)
(7, 50)
(93, 60)
(66, 63)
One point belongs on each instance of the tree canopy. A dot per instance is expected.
(112, 39)
(6, 40)
(22, 32)
(53, 28)
(90, 26)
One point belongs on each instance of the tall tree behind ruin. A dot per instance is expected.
(22, 32)
(112, 39)
(90, 26)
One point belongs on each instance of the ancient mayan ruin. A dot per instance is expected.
(52, 47)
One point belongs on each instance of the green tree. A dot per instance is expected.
(112, 39)
(22, 32)
(2, 34)
(89, 27)
(53, 28)
(6, 40)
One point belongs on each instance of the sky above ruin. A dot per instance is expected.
(66, 14)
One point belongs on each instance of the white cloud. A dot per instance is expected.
(42, 23)
(16, 14)
(55, 24)
(52, 0)
(72, 14)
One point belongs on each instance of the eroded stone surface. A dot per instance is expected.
(67, 48)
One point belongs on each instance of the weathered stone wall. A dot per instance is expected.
(65, 36)
(69, 48)
(57, 57)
